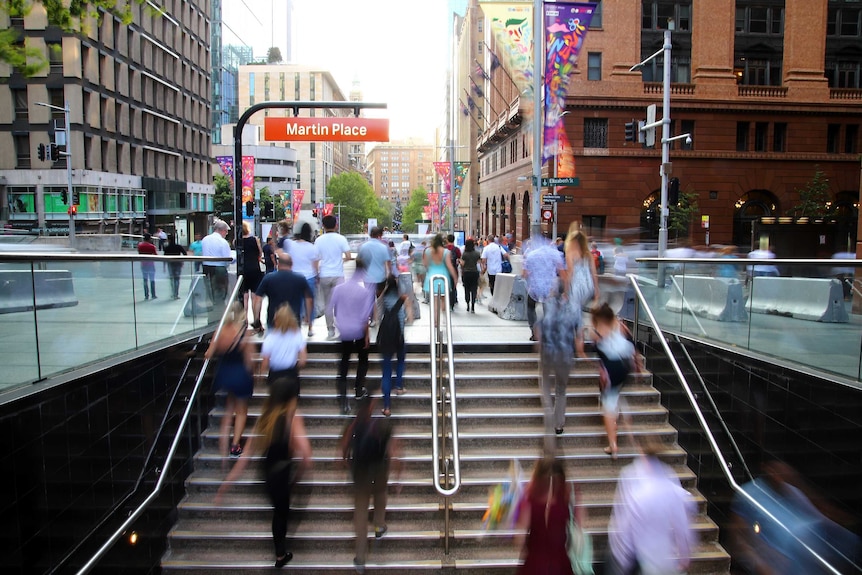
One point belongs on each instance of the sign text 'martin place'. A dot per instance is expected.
(326, 129)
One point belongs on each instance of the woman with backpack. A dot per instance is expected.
(280, 435)
(390, 339)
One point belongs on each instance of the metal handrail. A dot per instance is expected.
(836, 263)
(171, 452)
(440, 450)
(102, 257)
(725, 466)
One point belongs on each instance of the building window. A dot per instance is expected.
(251, 84)
(596, 21)
(55, 56)
(687, 128)
(779, 137)
(656, 13)
(843, 73)
(760, 20)
(761, 134)
(22, 150)
(480, 47)
(595, 133)
(680, 70)
(266, 87)
(19, 97)
(594, 226)
(311, 87)
(833, 135)
(851, 137)
(759, 71)
(742, 136)
(480, 25)
(594, 66)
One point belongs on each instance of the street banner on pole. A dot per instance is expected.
(247, 179)
(512, 26)
(566, 26)
(226, 165)
(298, 195)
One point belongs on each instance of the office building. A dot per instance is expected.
(398, 168)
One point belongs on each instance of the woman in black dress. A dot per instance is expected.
(252, 257)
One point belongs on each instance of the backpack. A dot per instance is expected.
(369, 444)
(389, 336)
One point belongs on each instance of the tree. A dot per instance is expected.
(357, 199)
(223, 197)
(813, 198)
(414, 209)
(680, 216)
(71, 17)
(384, 213)
(273, 55)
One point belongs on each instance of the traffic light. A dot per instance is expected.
(268, 210)
(76, 197)
(65, 196)
(53, 152)
(249, 209)
(673, 192)
(40, 153)
(314, 213)
(631, 131)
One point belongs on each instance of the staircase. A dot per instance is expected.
(500, 418)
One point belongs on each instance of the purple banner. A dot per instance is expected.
(566, 26)
(226, 165)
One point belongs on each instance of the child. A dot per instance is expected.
(283, 350)
(618, 357)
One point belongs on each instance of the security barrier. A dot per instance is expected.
(54, 289)
(718, 299)
(813, 299)
(510, 297)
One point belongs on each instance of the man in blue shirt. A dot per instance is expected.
(375, 254)
(284, 286)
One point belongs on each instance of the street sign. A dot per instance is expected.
(557, 198)
(560, 182)
(547, 215)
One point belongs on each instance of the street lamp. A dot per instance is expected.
(68, 154)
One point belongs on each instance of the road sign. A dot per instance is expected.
(560, 182)
(557, 198)
(547, 215)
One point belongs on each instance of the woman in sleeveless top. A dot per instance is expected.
(281, 437)
(252, 256)
(581, 278)
(438, 261)
(234, 376)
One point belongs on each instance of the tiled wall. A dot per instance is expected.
(75, 451)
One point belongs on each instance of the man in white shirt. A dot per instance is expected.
(334, 251)
(215, 245)
(404, 246)
(492, 261)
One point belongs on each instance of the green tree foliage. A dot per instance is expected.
(813, 197)
(223, 197)
(413, 210)
(273, 55)
(385, 210)
(68, 16)
(357, 199)
(680, 216)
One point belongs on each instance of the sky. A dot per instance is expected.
(397, 49)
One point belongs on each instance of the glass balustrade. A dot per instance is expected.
(62, 312)
(806, 313)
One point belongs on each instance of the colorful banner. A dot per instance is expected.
(226, 165)
(298, 195)
(442, 169)
(461, 169)
(566, 26)
(327, 209)
(247, 179)
(512, 26)
(565, 158)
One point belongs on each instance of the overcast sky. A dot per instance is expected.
(397, 49)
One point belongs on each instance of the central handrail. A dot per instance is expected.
(171, 452)
(444, 419)
(724, 464)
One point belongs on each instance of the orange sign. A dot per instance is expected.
(326, 129)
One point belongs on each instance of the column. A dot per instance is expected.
(712, 46)
(804, 49)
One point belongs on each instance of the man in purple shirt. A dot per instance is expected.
(352, 303)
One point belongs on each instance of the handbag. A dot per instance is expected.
(506, 267)
(579, 544)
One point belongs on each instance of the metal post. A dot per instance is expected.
(665, 156)
(452, 179)
(536, 203)
(66, 114)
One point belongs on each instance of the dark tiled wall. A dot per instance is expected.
(75, 451)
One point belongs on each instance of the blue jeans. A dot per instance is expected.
(386, 380)
(312, 287)
(149, 282)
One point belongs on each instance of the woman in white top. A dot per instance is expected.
(306, 261)
(283, 351)
(582, 279)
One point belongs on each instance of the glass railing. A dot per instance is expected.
(60, 312)
(806, 314)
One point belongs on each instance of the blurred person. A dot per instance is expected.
(582, 280)
(371, 448)
(650, 527)
(727, 270)
(455, 253)
(418, 267)
(621, 261)
(306, 262)
(283, 352)
(438, 261)
(282, 236)
(148, 268)
(492, 261)
(175, 269)
(162, 237)
(470, 273)
(378, 265)
(773, 550)
(234, 376)
(280, 287)
(762, 270)
(509, 244)
(393, 302)
(543, 264)
(557, 330)
(683, 250)
(215, 245)
(281, 438)
(618, 358)
(252, 254)
(334, 251)
(543, 518)
(197, 250)
(598, 258)
(405, 244)
(352, 305)
(269, 258)
(393, 258)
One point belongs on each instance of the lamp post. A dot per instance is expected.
(68, 154)
(538, 61)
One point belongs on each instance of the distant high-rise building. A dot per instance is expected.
(139, 96)
(398, 168)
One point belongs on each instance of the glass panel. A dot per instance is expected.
(18, 352)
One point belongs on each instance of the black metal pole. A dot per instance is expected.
(237, 151)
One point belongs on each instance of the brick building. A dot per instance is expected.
(769, 90)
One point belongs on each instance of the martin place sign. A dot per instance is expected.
(326, 129)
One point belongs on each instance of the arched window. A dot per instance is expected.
(650, 220)
(750, 207)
